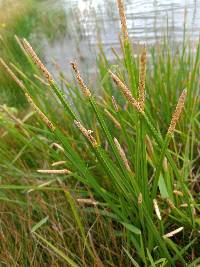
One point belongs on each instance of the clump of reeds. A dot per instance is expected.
(125, 176)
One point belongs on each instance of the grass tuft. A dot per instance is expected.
(122, 192)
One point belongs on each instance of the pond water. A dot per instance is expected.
(89, 22)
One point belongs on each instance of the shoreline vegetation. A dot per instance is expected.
(106, 177)
(25, 19)
(16, 20)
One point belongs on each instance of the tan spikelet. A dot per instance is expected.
(122, 154)
(41, 186)
(170, 203)
(125, 91)
(165, 164)
(57, 146)
(177, 112)
(184, 205)
(87, 201)
(178, 193)
(5, 109)
(142, 79)
(115, 105)
(28, 97)
(116, 123)
(86, 133)
(157, 210)
(140, 198)
(123, 19)
(81, 83)
(39, 112)
(64, 171)
(13, 76)
(19, 43)
(36, 60)
(172, 233)
(57, 163)
(149, 145)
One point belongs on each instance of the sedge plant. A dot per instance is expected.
(125, 170)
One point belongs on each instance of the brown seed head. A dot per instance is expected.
(140, 198)
(81, 83)
(172, 233)
(57, 163)
(125, 91)
(177, 112)
(122, 154)
(184, 205)
(39, 112)
(13, 76)
(87, 201)
(10, 115)
(37, 61)
(157, 210)
(142, 78)
(115, 105)
(149, 145)
(64, 171)
(178, 193)
(59, 147)
(28, 97)
(86, 133)
(123, 19)
(165, 164)
(170, 203)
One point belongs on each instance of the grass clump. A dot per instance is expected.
(109, 180)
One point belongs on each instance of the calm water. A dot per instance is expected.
(91, 21)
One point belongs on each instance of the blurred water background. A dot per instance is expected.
(89, 22)
(72, 29)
